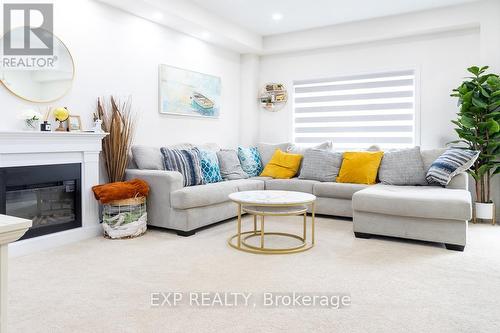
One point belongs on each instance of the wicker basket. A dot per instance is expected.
(125, 218)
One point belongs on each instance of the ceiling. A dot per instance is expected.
(256, 15)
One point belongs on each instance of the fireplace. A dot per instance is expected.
(49, 195)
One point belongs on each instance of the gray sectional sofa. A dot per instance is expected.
(428, 213)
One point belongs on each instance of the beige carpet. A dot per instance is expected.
(100, 285)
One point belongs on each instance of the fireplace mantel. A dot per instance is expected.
(25, 148)
(16, 142)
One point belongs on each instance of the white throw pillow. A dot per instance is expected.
(299, 149)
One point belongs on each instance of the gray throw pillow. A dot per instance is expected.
(150, 158)
(373, 148)
(147, 158)
(402, 167)
(229, 163)
(319, 164)
(209, 146)
(266, 150)
(430, 155)
(301, 150)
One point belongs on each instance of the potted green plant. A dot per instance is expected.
(478, 128)
(31, 120)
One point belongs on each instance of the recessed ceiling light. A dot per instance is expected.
(277, 16)
(205, 34)
(157, 15)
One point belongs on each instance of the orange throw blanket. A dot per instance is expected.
(121, 190)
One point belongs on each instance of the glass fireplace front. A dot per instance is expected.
(48, 195)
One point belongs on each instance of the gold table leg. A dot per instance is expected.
(239, 225)
(262, 231)
(305, 225)
(312, 222)
(255, 224)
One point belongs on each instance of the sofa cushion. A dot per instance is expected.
(230, 167)
(250, 161)
(415, 201)
(250, 185)
(282, 165)
(450, 163)
(402, 167)
(322, 165)
(209, 166)
(429, 156)
(301, 150)
(209, 146)
(261, 178)
(266, 150)
(185, 161)
(150, 158)
(147, 158)
(360, 167)
(337, 190)
(211, 194)
(294, 184)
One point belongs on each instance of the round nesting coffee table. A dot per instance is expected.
(272, 203)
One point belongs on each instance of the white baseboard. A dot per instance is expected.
(32, 245)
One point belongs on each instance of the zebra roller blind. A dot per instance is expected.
(356, 111)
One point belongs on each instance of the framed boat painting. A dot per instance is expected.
(187, 93)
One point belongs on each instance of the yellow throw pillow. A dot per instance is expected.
(360, 167)
(282, 165)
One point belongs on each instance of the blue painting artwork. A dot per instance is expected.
(189, 93)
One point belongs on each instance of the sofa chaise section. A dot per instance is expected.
(428, 213)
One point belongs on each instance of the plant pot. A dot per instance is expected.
(485, 210)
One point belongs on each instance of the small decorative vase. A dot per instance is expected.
(45, 127)
(31, 124)
(97, 126)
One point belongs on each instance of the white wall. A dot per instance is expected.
(249, 108)
(440, 44)
(118, 53)
(440, 61)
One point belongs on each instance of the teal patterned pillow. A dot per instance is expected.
(250, 161)
(210, 166)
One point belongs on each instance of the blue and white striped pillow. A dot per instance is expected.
(450, 163)
(185, 161)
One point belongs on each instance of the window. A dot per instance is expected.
(356, 111)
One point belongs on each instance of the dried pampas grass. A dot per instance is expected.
(117, 120)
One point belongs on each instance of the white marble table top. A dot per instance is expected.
(12, 227)
(272, 197)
